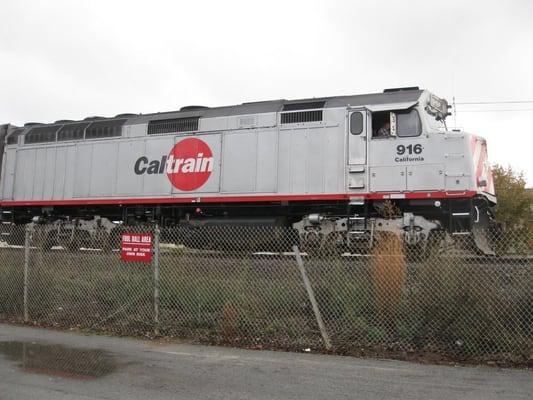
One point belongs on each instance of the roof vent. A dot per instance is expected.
(401, 89)
(125, 115)
(41, 134)
(173, 125)
(63, 121)
(72, 131)
(193, 108)
(14, 136)
(301, 116)
(104, 129)
(28, 124)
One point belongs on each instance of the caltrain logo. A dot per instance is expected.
(188, 165)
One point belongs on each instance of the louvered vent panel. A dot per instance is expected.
(302, 116)
(173, 125)
(14, 136)
(104, 129)
(42, 134)
(72, 132)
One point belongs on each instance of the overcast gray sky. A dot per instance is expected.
(67, 59)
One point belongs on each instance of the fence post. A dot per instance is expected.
(156, 279)
(312, 298)
(27, 243)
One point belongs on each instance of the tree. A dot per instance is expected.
(515, 202)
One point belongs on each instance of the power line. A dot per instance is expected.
(497, 102)
(500, 110)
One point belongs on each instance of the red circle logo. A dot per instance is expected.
(190, 164)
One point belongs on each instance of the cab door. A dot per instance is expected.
(358, 122)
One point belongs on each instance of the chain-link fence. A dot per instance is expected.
(261, 287)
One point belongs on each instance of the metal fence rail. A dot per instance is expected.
(255, 287)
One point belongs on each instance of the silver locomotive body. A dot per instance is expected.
(325, 166)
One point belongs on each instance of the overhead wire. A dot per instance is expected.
(495, 102)
(483, 103)
(500, 110)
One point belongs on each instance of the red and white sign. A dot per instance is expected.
(191, 163)
(136, 247)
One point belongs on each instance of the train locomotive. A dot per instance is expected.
(327, 167)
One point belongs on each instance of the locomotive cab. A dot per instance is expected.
(424, 170)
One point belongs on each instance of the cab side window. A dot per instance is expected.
(381, 124)
(408, 123)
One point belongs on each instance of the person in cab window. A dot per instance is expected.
(384, 131)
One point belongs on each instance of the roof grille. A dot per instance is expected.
(72, 131)
(42, 134)
(173, 125)
(104, 129)
(303, 106)
(13, 138)
(302, 116)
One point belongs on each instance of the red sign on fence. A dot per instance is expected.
(136, 247)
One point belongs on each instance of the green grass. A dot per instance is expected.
(448, 306)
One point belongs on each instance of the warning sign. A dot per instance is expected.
(136, 247)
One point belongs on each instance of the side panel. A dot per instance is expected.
(39, 173)
(284, 161)
(129, 183)
(316, 141)
(70, 173)
(83, 168)
(154, 184)
(50, 173)
(458, 162)
(25, 166)
(104, 169)
(311, 160)
(249, 161)
(8, 174)
(388, 179)
(61, 172)
(333, 162)
(298, 161)
(267, 161)
(425, 177)
(239, 168)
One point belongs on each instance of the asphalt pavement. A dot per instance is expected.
(44, 364)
